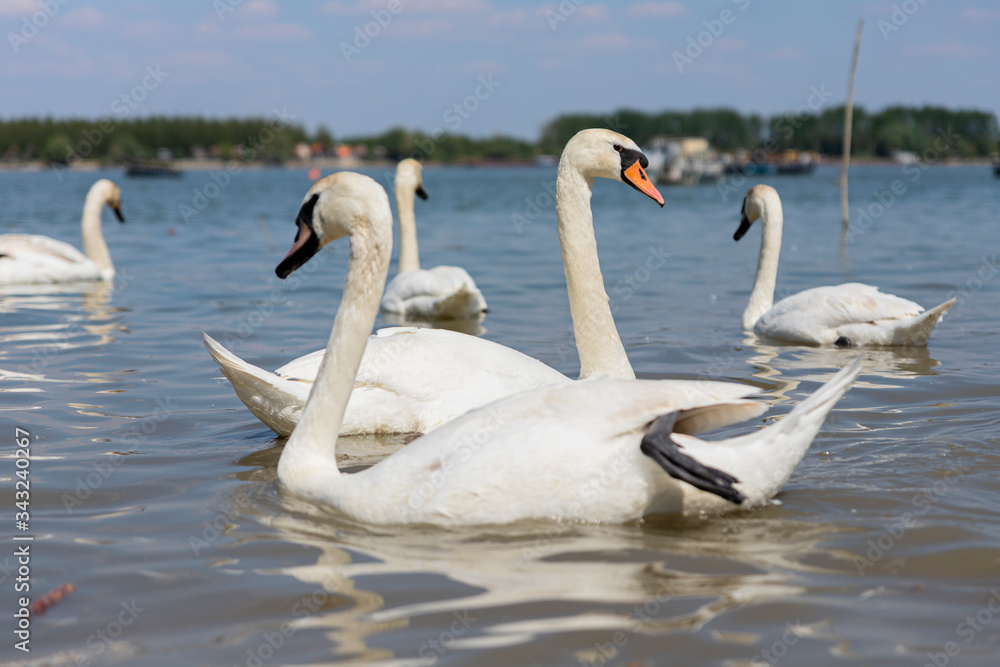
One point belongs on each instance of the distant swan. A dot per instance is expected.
(594, 450)
(441, 293)
(412, 380)
(31, 258)
(845, 315)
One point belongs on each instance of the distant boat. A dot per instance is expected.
(787, 164)
(151, 169)
(996, 168)
(682, 161)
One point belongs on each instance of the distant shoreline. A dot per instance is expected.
(353, 163)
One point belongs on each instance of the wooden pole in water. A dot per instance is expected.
(848, 118)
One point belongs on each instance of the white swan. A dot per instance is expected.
(441, 293)
(845, 315)
(594, 450)
(31, 258)
(412, 380)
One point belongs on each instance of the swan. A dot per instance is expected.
(32, 258)
(848, 315)
(593, 450)
(441, 293)
(412, 380)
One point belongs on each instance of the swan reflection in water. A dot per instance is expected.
(660, 576)
(42, 321)
(785, 367)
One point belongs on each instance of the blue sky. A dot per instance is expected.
(510, 66)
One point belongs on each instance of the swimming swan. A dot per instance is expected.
(31, 258)
(848, 315)
(594, 450)
(441, 293)
(412, 380)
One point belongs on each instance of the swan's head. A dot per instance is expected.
(606, 154)
(109, 192)
(410, 176)
(335, 207)
(753, 207)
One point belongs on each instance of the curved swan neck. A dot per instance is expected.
(762, 296)
(409, 255)
(308, 460)
(94, 246)
(601, 350)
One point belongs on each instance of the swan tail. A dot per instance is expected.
(263, 393)
(773, 453)
(658, 445)
(464, 303)
(919, 329)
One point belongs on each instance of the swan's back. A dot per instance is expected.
(815, 315)
(591, 431)
(31, 258)
(441, 292)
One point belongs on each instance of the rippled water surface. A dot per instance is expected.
(153, 489)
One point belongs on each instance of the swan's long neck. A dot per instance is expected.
(409, 255)
(93, 238)
(601, 350)
(308, 462)
(762, 297)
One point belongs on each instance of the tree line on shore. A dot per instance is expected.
(965, 134)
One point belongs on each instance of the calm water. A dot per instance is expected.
(153, 489)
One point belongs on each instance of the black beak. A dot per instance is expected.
(744, 223)
(118, 213)
(421, 192)
(306, 242)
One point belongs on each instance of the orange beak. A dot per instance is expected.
(637, 178)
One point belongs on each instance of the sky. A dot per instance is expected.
(481, 67)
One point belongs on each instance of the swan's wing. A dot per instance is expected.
(410, 380)
(816, 314)
(31, 258)
(277, 401)
(26, 246)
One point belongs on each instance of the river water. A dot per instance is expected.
(153, 489)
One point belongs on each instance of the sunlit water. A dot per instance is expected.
(153, 489)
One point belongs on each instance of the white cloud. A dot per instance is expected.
(85, 18)
(980, 14)
(18, 7)
(274, 32)
(660, 10)
(408, 6)
(948, 49)
(260, 9)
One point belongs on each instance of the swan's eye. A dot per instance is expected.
(618, 148)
